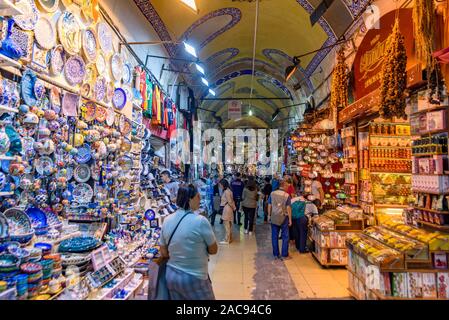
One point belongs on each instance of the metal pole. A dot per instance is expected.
(229, 99)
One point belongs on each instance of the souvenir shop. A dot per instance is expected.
(83, 139)
(382, 160)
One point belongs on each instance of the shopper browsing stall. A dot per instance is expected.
(267, 189)
(280, 214)
(187, 240)
(227, 207)
(317, 189)
(299, 223)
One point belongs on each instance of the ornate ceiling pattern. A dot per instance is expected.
(222, 33)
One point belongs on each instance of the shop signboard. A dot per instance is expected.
(234, 110)
(369, 57)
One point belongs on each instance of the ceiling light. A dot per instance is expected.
(250, 112)
(275, 114)
(290, 70)
(200, 69)
(190, 49)
(212, 92)
(206, 83)
(191, 4)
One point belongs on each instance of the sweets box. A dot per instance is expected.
(443, 285)
(399, 285)
(415, 285)
(436, 120)
(429, 285)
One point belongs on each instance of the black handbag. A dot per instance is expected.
(157, 288)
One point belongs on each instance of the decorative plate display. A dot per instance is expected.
(110, 118)
(86, 90)
(39, 89)
(49, 6)
(110, 90)
(90, 112)
(126, 163)
(125, 125)
(9, 263)
(100, 63)
(38, 218)
(4, 227)
(117, 66)
(127, 73)
(75, 70)
(45, 33)
(82, 173)
(90, 44)
(75, 259)
(57, 58)
(150, 214)
(31, 268)
(28, 20)
(104, 38)
(119, 99)
(69, 33)
(83, 193)
(18, 221)
(100, 89)
(68, 173)
(101, 114)
(84, 154)
(44, 166)
(91, 74)
(78, 245)
(27, 87)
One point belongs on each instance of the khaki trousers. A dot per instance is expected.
(228, 228)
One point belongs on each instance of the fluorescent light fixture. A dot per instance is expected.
(191, 4)
(200, 69)
(191, 50)
(275, 114)
(212, 92)
(206, 83)
(250, 112)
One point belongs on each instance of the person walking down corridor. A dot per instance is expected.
(280, 213)
(267, 189)
(300, 223)
(228, 208)
(237, 187)
(249, 204)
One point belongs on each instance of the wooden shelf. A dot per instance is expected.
(431, 210)
(388, 147)
(429, 110)
(433, 132)
(396, 159)
(402, 173)
(434, 226)
(431, 192)
(381, 205)
(388, 136)
(327, 264)
(429, 174)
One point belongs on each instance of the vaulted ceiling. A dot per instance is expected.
(223, 33)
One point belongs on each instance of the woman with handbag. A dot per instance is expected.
(228, 207)
(187, 240)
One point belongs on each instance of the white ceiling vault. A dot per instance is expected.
(222, 32)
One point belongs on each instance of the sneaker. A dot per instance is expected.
(246, 231)
(224, 243)
(286, 258)
(250, 233)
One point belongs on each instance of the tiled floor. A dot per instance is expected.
(245, 270)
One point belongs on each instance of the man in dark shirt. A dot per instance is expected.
(237, 187)
(267, 189)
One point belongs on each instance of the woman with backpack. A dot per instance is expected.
(250, 198)
(300, 223)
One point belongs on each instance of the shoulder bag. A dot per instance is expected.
(157, 289)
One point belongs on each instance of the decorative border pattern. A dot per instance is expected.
(267, 85)
(244, 60)
(355, 6)
(159, 26)
(235, 14)
(233, 52)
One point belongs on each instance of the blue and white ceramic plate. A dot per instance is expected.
(119, 99)
(83, 193)
(44, 165)
(38, 218)
(4, 227)
(18, 221)
(127, 73)
(84, 154)
(27, 87)
(28, 20)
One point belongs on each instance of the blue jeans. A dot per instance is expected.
(275, 238)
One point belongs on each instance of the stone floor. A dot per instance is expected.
(246, 270)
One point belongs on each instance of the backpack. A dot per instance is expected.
(278, 207)
(298, 209)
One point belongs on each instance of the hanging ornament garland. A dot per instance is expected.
(394, 76)
(339, 88)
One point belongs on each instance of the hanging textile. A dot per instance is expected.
(155, 105)
(148, 110)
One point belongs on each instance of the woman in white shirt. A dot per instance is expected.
(228, 207)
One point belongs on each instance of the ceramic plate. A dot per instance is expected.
(18, 221)
(91, 74)
(49, 6)
(119, 99)
(44, 165)
(27, 87)
(57, 60)
(28, 20)
(117, 66)
(82, 173)
(68, 174)
(83, 193)
(101, 114)
(101, 64)
(110, 119)
(45, 33)
(69, 33)
(4, 227)
(100, 89)
(39, 89)
(125, 125)
(38, 218)
(78, 244)
(104, 38)
(75, 70)
(84, 154)
(91, 109)
(90, 44)
(110, 91)
(127, 73)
